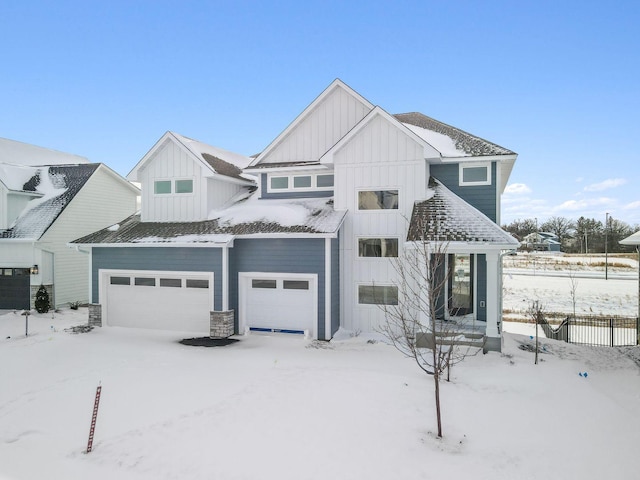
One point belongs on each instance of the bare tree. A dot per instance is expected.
(535, 312)
(573, 288)
(411, 323)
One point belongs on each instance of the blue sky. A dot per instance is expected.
(555, 81)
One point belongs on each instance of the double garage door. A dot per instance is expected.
(160, 300)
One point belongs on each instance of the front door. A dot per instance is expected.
(460, 284)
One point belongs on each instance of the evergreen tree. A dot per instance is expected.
(42, 300)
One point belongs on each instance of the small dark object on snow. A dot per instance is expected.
(79, 329)
(208, 342)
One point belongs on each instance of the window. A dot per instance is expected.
(279, 183)
(475, 174)
(378, 247)
(170, 282)
(292, 183)
(323, 181)
(377, 295)
(8, 272)
(162, 187)
(302, 182)
(257, 283)
(120, 281)
(193, 283)
(378, 200)
(145, 281)
(295, 284)
(184, 186)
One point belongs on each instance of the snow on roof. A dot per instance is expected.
(464, 144)
(246, 217)
(58, 185)
(18, 178)
(202, 150)
(631, 239)
(18, 153)
(445, 217)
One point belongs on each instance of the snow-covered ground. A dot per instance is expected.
(281, 407)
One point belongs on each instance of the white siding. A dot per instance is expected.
(379, 157)
(3, 207)
(17, 254)
(220, 192)
(320, 129)
(172, 162)
(102, 201)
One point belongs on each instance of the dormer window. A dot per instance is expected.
(162, 187)
(295, 183)
(166, 187)
(475, 174)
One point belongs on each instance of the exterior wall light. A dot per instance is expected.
(34, 270)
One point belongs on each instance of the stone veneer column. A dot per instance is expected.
(221, 324)
(95, 315)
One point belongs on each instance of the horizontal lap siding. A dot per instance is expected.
(482, 197)
(286, 255)
(169, 259)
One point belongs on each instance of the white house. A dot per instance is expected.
(48, 198)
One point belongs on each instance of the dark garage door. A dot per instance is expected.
(14, 288)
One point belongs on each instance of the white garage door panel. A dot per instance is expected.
(280, 307)
(159, 307)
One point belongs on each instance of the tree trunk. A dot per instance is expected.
(436, 379)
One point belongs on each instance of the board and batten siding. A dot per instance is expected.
(172, 162)
(103, 201)
(4, 207)
(327, 123)
(482, 197)
(171, 259)
(379, 157)
(279, 255)
(218, 193)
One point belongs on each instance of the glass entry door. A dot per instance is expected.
(460, 285)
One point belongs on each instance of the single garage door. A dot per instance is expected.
(15, 288)
(159, 300)
(279, 303)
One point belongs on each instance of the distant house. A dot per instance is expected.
(302, 237)
(541, 241)
(48, 198)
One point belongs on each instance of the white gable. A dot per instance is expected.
(336, 111)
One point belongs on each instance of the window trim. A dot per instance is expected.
(291, 181)
(462, 166)
(377, 189)
(374, 237)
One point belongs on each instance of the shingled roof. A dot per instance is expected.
(465, 142)
(248, 217)
(58, 185)
(445, 217)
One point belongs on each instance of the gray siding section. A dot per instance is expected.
(482, 197)
(335, 285)
(267, 195)
(286, 255)
(481, 287)
(170, 259)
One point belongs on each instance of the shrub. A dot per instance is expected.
(42, 300)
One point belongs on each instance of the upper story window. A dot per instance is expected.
(161, 187)
(378, 200)
(378, 247)
(475, 174)
(164, 187)
(306, 182)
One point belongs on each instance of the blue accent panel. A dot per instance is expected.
(171, 259)
(312, 194)
(481, 286)
(278, 255)
(335, 285)
(482, 197)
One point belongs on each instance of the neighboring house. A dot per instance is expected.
(308, 246)
(541, 241)
(47, 199)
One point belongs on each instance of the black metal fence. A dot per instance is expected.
(594, 330)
